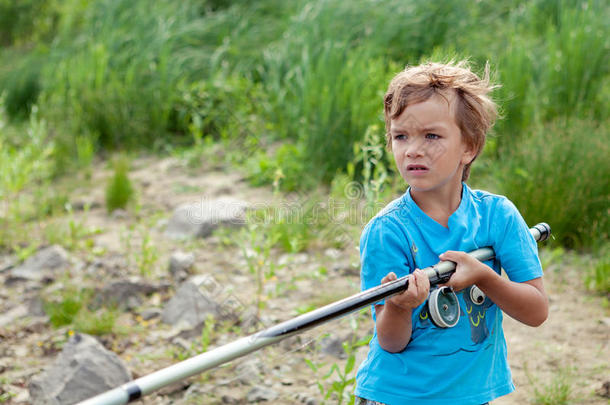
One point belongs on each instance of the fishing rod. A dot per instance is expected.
(133, 390)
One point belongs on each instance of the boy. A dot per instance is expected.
(436, 117)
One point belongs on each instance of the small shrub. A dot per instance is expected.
(119, 190)
(285, 169)
(63, 306)
(98, 322)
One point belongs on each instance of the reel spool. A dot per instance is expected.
(444, 307)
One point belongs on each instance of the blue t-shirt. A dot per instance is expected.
(465, 364)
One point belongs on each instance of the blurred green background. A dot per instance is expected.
(292, 92)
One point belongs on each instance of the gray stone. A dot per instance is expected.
(180, 265)
(193, 303)
(119, 214)
(200, 219)
(85, 203)
(333, 346)
(306, 399)
(250, 372)
(36, 307)
(6, 263)
(260, 394)
(83, 369)
(40, 266)
(125, 294)
(10, 316)
(150, 313)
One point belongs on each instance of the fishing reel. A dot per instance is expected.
(444, 306)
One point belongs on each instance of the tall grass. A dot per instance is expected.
(110, 74)
(119, 80)
(559, 174)
(25, 164)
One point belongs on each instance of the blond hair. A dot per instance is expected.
(475, 111)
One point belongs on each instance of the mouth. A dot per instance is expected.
(417, 168)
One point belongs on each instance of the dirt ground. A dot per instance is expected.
(569, 351)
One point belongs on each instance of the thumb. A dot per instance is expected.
(388, 277)
(450, 255)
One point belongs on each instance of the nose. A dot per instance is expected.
(414, 149)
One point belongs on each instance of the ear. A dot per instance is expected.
(468, 154)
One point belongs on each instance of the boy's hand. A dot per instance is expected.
(416, 293)
(468, 271)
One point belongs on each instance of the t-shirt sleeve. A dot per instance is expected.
(383, 248)
(515, 247)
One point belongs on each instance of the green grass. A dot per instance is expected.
(70, 306)
(119, 190)
(63, 306)
(598, 275)
(559, 174)
(558, 391)
(251, 75)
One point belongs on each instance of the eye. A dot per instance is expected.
(400, 137)
(432, 136)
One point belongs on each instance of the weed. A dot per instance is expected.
(24, 163)
(371, 157)
(256, 249)
(148, 256)
(119, 191)
(73, 234)
(6, 396)
(144, 255)
(557, 392)
(70, 306)
(598, 276)
(207, 333)
(340, 390)
(63, 306)
(98, 322)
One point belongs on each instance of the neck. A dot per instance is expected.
(439, 204)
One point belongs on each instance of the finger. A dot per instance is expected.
(454, 256)
(413, 283)
(388, 277)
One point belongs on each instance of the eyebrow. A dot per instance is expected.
(431, 128)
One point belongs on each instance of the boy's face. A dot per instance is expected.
(427, 145)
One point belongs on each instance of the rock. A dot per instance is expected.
(227, 399)
(6, 263)
(192, 304)
(36, 307)
(180, 264)
(333, 253)
(119, 214)
(259, 394)
(85, 203)
(40, 266)
(250, 372)
(12, 315)
(200, 219)
(83, 369)
(604, 390)
(306, 399)
(293, 259)
(150, 313)
(332, 346)
(125, 294)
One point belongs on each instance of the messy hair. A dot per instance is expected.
(475, 111)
